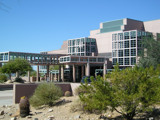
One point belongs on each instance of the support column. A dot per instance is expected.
(82, 69)
(59, 74)
(29, 76)
(104, 68)
(48, 78)
(74, 74)
(87, 69)
(62, 74)
(37, 73)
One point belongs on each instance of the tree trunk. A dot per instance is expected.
(17, 74)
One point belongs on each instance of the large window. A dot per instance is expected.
(120, 53)
(133, 43)
(133, 34)
(120, 36)
(126, 61)
(114, 53)
(126, 52)
(120, 61)
(133, 52)
(126, 44)
(126, 35)
(133, 61)
(114, 61)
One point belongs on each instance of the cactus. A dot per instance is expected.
(24, 106)
(67, 93)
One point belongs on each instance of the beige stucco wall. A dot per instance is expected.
(152, 26)
(104, 41)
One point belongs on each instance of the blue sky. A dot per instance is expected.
(43, 25)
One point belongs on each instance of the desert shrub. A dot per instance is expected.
(129, 91)
(67, 93)
(20, 80)
(45, 94)
(79, 90)
(77, 106)
(3, 78)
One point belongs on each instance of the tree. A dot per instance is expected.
(19, 66)
(129, 91)
(150, 55)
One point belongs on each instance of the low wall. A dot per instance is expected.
(28, 90)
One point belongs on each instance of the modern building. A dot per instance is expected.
(118, 41)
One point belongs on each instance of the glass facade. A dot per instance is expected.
(126, 46)
(82, 46)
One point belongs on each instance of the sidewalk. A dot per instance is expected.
(6, 97)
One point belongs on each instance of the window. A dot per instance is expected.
(133, 52)
(133, 34)
(120, 61)
(126, 61)
(120, 36)
(126, 44)
(93, 42)
(133, 43)
(93, 49)
(126, 52)
(114, 45)
(114, 61)
(120, 53)
(114, 53)
(114, 37)
(126, 35)
(120, 44)
(133, 61)
(100, 59)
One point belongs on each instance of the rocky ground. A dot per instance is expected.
(63, 111)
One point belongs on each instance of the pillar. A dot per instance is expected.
(48, 78)
(74, 74)
(59, 79)
(87, 66)
(82, 68)
(29, 76)
(104, 68)
(37, 73)
(62, 73)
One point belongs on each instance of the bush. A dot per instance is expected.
(20, 80)
(67, 93)
(3, 78)
(79, 90)
(45, 94)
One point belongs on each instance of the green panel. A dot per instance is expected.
(113, 23)
(115, 28)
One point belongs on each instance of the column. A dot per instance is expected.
(87, 69)
(62, 73)
(48, 78)
(74, 74)
(37, 79)
(29, 76)
(104, 68)
(59, 74)
(82, 69)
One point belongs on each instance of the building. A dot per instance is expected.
(118, 41)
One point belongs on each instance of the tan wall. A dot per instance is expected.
(104, 42)
(28, 90)
(152, 26)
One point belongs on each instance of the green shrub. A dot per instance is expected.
(67, 93)
(79, 90)
(3, 78)
(20, 80)
(45, 94)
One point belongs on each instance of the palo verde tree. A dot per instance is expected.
(18, 66)
(129, 91)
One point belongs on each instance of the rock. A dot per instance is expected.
(2, 112)
(38, 113)
(2, 117)
(29, 117)
(14, 118)
(50, 110)
(50, 117)
(77, 117)
(35, 119)
(10, 114)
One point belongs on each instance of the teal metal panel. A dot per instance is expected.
(113, 23)
(115, 28)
